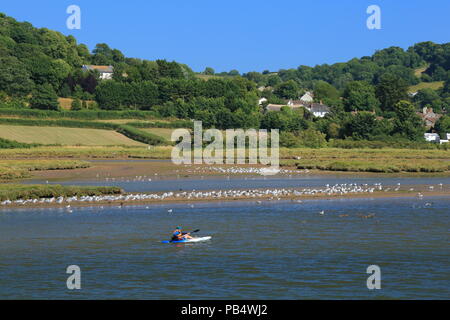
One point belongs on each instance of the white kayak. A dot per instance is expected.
(190, 240)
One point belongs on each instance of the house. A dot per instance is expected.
(295, 103)
(429, 117)
(261, 101)
(106, 72)
(432, 137)
(308, 97)
(318, 109)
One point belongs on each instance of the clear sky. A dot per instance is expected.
(247, 35)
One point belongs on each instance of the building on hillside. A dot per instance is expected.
(261, 101)
(318, 109)
(106, 72)
(429, 117)
(295, 103)
(308, 97)
(432, 137)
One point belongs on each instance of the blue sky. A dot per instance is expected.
(247, 35)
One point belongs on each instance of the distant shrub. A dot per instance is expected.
(10, 144)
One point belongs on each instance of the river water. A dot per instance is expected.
(269, 250)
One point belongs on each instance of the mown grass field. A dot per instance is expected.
(65, 136)
(165, 133)
(423, 85)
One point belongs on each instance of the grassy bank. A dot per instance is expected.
(18, 169)
(327, 159)
(85, 152)
(17, 191)
(368, 160)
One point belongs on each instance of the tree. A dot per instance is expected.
(443, 126)
(76, 105)
(362, 126)
(287, 90)
(390, 90)
(44, 98)
(407, 123)
(209, 71)
(428, 97)
(360, 96)
(233, 73)
(14, 77)
(323, 90)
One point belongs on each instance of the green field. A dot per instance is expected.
(423, 85)
(65, 136)
(165, 133)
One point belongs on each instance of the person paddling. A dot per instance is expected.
(178, 235)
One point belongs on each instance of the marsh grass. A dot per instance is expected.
(18, 169)
(18, 191)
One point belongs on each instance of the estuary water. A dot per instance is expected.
(271, 250)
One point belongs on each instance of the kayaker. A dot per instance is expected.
(178, 235)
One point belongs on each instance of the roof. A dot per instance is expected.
(317, 107)
(104, 69)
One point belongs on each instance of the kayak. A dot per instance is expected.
(189, 240)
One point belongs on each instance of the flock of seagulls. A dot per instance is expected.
(241, 170)
(269, 193)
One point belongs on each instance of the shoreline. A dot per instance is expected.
(175, 200)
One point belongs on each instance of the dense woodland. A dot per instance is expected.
(368, 96)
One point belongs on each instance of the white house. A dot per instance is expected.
(106, 72)
(261, 101)
(432, 137)
(318, 110)
(308, 97)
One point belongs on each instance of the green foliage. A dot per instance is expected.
(360, 96)
(76, 105)
(390, 90)
(14, 77)
(323, 91)
(209, 71)
(19, 191)
(287, 90)
(429, 98)
(407, 123)
(9, 144)
(443, 126)
(44, 98)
